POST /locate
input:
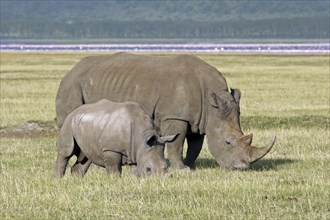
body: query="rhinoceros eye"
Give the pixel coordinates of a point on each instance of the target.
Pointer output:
(228, 142)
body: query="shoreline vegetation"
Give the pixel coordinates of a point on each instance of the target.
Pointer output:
(165, 19)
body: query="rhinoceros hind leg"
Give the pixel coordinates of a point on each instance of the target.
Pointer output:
(66, 147)
(80, 168)
(113, 163)
(195, 143)
(60, 165)
(175, 148)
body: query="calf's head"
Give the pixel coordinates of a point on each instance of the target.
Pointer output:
(150, 157)
(226, 141)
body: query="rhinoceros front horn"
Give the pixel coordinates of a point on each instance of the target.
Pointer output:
(257, 153)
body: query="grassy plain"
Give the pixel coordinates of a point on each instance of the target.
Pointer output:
(288, 94)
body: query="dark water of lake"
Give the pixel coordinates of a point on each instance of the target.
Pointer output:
(300, 48)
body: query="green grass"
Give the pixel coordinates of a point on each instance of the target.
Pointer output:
(284, 94)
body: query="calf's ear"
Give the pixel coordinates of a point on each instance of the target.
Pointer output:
(151, 141)
(166, 139)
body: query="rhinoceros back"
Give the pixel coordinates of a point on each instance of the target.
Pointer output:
(167, 86)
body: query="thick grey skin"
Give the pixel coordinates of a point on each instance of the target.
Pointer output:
(110, 134)
(183, 94)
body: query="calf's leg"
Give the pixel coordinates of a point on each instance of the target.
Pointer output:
(80, 167)
(60, 165)
(65, 149)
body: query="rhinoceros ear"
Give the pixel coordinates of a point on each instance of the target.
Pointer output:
(236, 94)
(166, 139)
(217, 101)
(213, 99)
(151, 141)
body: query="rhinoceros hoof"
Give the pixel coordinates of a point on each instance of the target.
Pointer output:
(192, 166)
(76, 170)
(181, 169)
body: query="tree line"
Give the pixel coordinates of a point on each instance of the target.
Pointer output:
(311, 27)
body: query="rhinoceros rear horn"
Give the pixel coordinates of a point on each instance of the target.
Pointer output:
(257, 153)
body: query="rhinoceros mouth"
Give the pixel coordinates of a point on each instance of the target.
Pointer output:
(230, 166)
(240, 167)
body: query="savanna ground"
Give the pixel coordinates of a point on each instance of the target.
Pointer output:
(288, 94)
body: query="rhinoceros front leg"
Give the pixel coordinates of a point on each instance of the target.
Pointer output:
(112, 162)
(195, 143)
(175, 148)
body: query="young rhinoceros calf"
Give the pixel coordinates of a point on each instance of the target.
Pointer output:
(109, 135)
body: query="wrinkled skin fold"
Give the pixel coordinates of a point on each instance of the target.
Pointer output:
(183, 94)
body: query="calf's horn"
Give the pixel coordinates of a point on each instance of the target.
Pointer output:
(257, 153)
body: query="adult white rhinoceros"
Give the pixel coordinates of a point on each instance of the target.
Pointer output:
(183, 94)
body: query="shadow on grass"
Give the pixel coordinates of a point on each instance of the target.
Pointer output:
(261, 165)
(204, 163)
(270, 164)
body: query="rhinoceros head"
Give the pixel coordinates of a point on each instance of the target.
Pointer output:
(226, 141)
(150, 157)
